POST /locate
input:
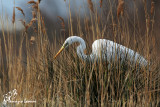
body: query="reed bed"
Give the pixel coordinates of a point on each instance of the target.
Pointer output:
(27, 63)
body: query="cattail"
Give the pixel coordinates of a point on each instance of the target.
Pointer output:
(152, 7)
(120, 7)
(20, 10)
(62, 22)
(100, 3)
(13, 17)
(90, 5)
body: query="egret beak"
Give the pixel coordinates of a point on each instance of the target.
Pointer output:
(59, 52)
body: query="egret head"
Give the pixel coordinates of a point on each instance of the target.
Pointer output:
(67, 42)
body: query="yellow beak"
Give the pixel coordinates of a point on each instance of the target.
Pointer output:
(59, 52)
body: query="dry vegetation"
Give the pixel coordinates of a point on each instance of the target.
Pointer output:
(28, 66)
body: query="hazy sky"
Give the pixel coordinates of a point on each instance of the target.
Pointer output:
(52, 8)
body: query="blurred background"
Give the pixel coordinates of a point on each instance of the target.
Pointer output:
(50, 10)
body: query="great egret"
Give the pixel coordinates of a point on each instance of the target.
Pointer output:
(106, 50)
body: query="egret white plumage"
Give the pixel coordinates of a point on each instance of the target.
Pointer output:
(106, 50)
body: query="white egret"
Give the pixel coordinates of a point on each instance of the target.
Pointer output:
(105, 49)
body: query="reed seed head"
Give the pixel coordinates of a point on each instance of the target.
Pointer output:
(13, 17)
(90, 5)
(18, 8)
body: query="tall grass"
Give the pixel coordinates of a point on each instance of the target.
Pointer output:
(27, 63)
